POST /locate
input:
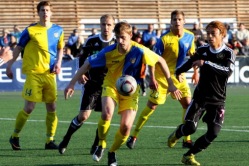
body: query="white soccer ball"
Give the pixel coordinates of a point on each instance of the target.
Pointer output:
(126, 85)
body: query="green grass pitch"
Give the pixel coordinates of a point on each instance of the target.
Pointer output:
(229, 149)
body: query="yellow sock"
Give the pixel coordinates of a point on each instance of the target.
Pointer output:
(103, 128)
(185, 138)
(21, 119)
(143, 117)
(51, 123)
(118, 141)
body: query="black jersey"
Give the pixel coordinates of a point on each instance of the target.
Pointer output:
(214, 74)
(93, 45)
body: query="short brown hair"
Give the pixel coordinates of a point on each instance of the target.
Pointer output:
(122, 26)
(219, 25)
(43, 3)
(176, 12)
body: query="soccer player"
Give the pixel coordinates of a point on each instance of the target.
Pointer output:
(43, 42)
(216, 62)
(5, 55)
(123, 58)
(91, 90)
(173, 46)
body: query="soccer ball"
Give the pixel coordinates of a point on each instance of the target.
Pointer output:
(126, 85)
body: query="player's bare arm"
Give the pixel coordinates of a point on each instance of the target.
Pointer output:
(57, 67)
(69, 90)
(153, 83)
(16, 53)
(195, 76)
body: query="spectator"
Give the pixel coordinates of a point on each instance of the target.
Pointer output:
(152, 42)
(73, 38)
(16, 32)
(94, 32)
(240, 37)
(5, 38)
(245, 48)
(67, 55)
(158, 33)
(229, 37)
(148, 34)
(137, 38)
(76, 47)
(241, 34)
(199, 36)
(135, 33)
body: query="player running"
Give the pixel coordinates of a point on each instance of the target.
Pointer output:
(124, 58)
(93, 80)
(216, 62)
(173, 46)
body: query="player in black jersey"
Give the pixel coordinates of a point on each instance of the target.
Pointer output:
(92, 81)
(216, 63)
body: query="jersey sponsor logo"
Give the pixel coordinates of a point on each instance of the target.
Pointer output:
(56, 35)
(38, 34)
(133, 60)
(117, 61)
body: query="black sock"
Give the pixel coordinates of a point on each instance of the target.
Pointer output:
(74, 126)
(96, 140)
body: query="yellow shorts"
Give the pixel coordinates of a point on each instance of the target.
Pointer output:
(123, 102)
(159, 96)
(40, 88)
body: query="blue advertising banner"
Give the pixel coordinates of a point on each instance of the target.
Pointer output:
(240, 75)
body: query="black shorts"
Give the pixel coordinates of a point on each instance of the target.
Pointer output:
(213, 113)
(91, 97)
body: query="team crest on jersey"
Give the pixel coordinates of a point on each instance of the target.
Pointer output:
(204, 54)
(94, 56)
(186, 45)
(220, 56)
(133, 60)
(56, 35)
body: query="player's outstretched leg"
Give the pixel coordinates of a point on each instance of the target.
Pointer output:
(189, 160)
(172, 140)
(98, 154)
(14, 142)
(131, 142)
(112, 160)
(95, 143)
(73, 127)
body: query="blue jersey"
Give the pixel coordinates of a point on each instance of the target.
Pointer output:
(123, 64)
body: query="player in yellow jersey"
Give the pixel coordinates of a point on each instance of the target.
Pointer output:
(123, 58)
(173, 46)
(43, 43)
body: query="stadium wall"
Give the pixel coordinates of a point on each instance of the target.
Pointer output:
(71, 14)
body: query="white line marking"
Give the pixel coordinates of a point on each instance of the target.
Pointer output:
(239, 128)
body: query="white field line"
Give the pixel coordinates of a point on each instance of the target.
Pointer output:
(244, 129)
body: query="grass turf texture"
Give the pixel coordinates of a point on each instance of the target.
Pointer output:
(230, 148)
